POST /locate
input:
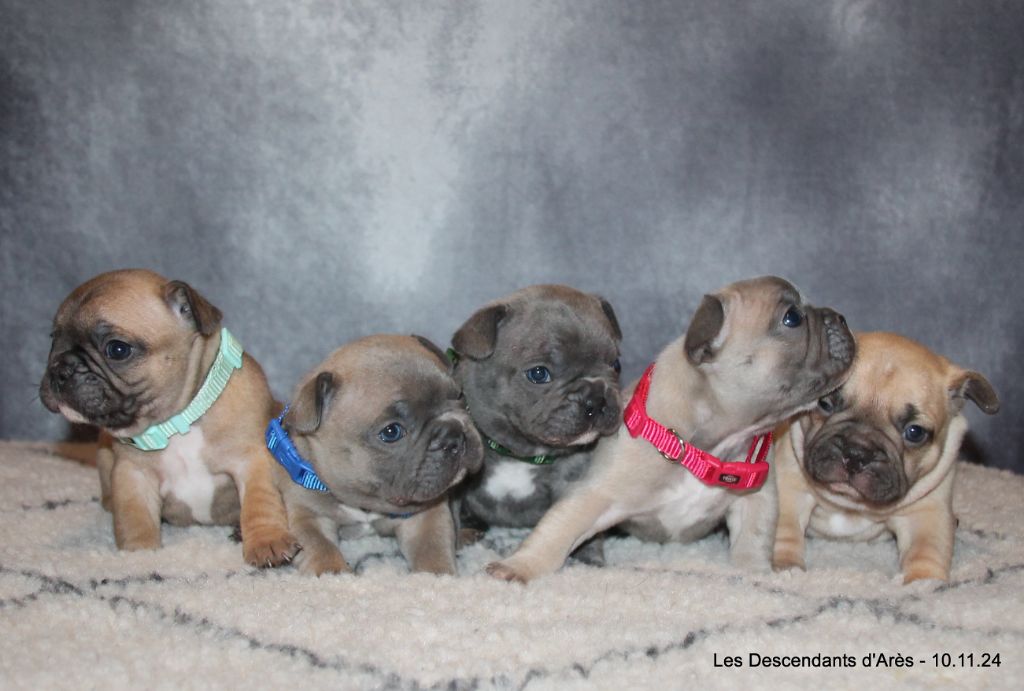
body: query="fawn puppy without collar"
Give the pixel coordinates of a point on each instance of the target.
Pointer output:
(374, 438)
(753, 355)
(146, 360)
(878, 456)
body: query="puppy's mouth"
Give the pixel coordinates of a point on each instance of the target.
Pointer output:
(856, 473)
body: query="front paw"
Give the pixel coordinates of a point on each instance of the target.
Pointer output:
(317, 563)
(787, 561)
(924, 571)
(510, 570)
(269, 547)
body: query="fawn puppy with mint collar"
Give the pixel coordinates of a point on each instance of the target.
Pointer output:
(540, 372)
(146, 360)
(753, 355)
(879, 455)
(375, 437)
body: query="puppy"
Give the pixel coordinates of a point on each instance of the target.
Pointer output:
(754, 354)
(146, 360)
(375, 436)
(540, 372)
(878, 456)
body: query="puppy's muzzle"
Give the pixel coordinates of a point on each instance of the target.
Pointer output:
(599, 406)
(872, 471)
(841, 346)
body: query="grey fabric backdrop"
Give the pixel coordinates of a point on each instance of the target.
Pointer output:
(323, 170)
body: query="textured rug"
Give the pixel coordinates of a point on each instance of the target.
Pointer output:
(74, 613)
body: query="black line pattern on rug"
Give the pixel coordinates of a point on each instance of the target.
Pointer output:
(880, 608)
(54, 504)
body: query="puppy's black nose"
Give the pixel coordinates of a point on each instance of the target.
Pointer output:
(597, 405)
(857, 457)
(63, 369)
(831, 318)
(449, 439)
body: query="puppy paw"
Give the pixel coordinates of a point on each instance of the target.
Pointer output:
(269, 548)
(319, 563)
(504, 571)
(788, 562)
(924, 572)
(469, 536)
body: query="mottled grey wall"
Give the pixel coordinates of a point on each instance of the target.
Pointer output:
(322, 170)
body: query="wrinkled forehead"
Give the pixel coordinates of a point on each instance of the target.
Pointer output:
(898, 384)
(115, 304)
(376, 379)
(557, 326)
(768, 291)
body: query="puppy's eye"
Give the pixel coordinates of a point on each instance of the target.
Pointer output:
(539, 374)
(792, 318)
(617, 366)
(391, 433)
(826, 405)
(117, 350)
(915, 434)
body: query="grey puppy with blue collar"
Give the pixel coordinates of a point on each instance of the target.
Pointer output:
(540, 372)
(375, 436)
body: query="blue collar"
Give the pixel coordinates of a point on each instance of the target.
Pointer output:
(301, 472)
(282, 448)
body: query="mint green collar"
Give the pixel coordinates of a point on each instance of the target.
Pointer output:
(229, 358)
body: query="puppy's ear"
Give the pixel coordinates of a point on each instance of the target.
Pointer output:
(307, 410)
(476, 338)
(704, 329)
(974, 387)
(606, 307)
(192, 307)
(429, 345)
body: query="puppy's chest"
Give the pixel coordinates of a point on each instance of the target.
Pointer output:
(184, 475)
(684, 509)
(843, 525)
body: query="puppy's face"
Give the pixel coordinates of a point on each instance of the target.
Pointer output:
(540, 368)
(891, 424)
(765, 353)
(121, 344)
(385, 424)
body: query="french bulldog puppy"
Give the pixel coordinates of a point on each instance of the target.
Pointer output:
(378, 433)
(753, 355)
(540, 372)
(878, 456)
(146, 360)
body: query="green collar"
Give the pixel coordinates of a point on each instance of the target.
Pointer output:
(543, 459)
(535, 460)
(229, 358)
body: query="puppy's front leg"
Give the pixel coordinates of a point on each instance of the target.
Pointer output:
(925, 541)
(320, 553)
(427, 539)
(266, 540)
(135, 503)
(566, 525)
(751, 521)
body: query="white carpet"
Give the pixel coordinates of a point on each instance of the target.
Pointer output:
(74, 613)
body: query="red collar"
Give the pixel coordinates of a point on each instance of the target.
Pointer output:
(749, 474)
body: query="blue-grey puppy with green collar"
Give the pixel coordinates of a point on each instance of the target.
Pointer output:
(539, 369)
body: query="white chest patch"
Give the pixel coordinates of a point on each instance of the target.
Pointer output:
(687, 504)
(184, 474)
(513, 480)
(846, 525)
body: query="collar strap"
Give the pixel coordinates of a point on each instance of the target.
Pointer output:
(282, 448)
(505, 451)
(749, 474)
(453, 357)
(229, 358)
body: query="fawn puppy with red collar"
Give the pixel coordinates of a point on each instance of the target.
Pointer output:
(146, 360)
(753, 355)
(878, 456)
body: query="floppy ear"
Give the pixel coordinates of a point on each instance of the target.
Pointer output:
(307, 410)
(973, 386)
(610, 313)
(434, 350)
(189, 305)
(704, 328)
(476, 338)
